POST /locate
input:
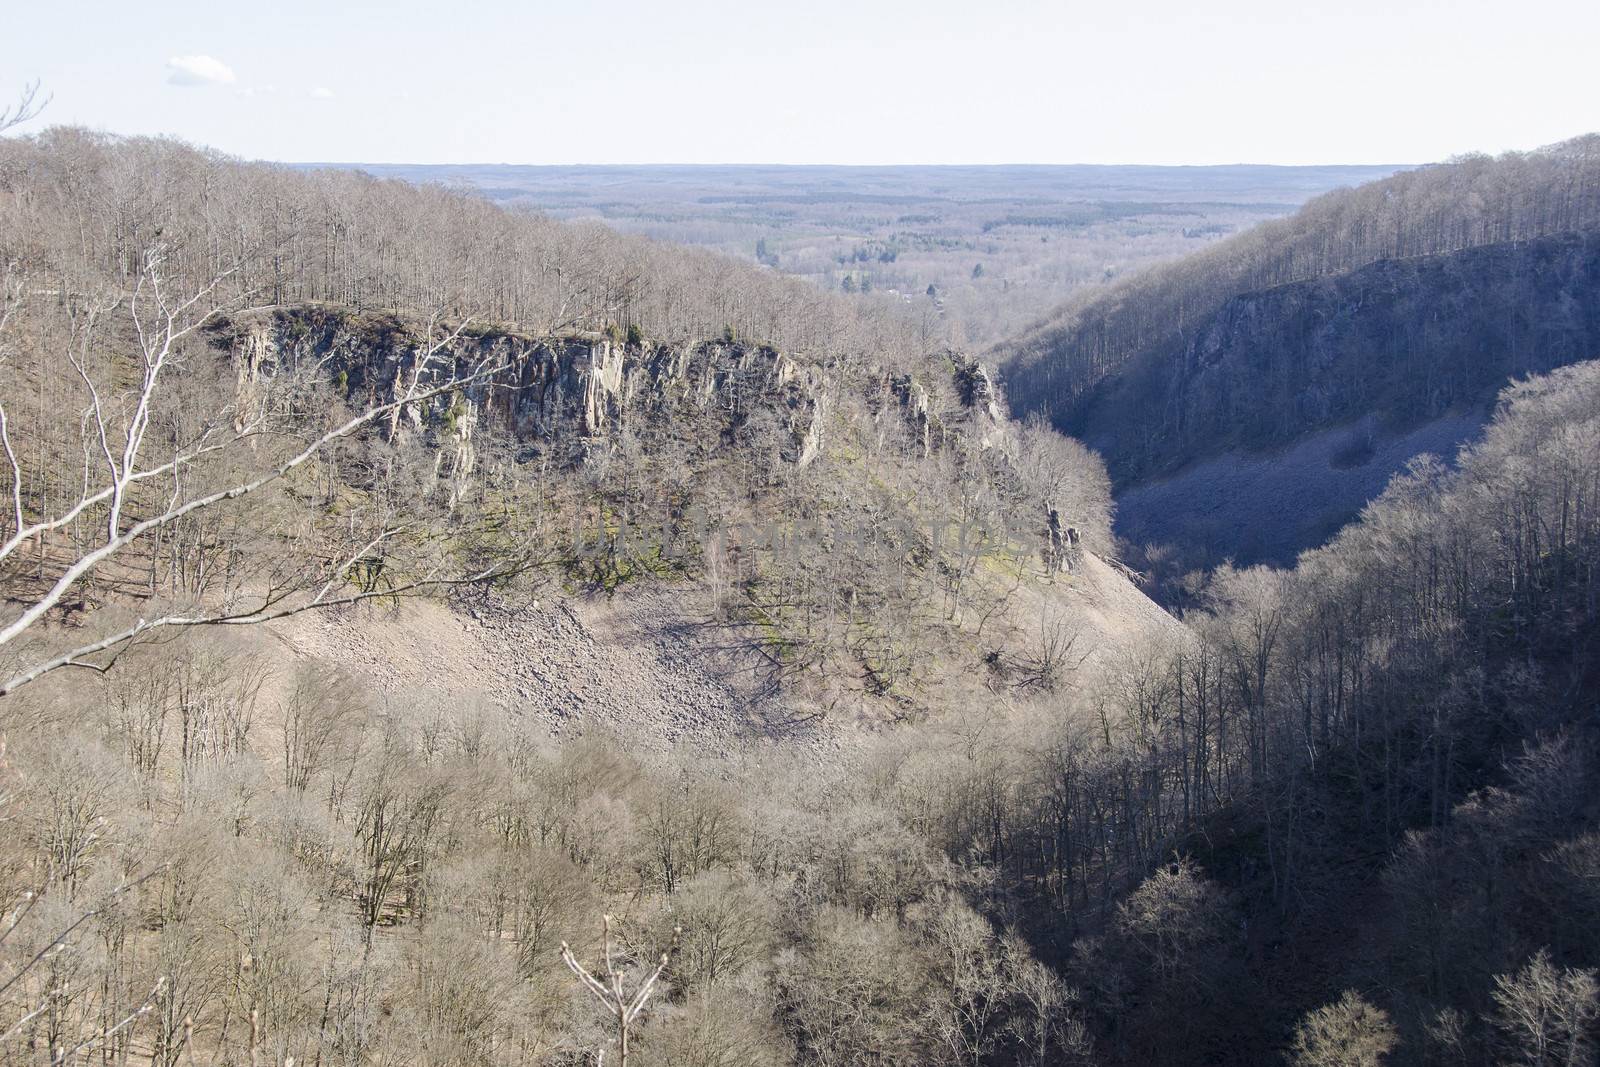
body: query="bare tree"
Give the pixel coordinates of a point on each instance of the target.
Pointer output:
(1546, 1014)
(1052, 657)
(622, 1006)
(1347, 1033)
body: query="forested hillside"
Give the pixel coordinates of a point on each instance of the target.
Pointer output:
(1143, 327)
(1403, 340)
(1252, 397)
(1340, 814)
(92, 207)
(556, 400)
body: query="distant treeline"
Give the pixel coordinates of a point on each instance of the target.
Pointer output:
(1090, 213)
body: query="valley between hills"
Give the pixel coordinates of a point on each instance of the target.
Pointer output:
(417, 604)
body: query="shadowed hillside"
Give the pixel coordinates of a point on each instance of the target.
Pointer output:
(1400, 302)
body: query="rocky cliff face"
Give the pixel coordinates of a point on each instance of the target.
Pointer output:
(569, 392)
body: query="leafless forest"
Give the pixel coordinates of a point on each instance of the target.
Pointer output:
(1342, 813)
(1119, 345)
(1374, 316)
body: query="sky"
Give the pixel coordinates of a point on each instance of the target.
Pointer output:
(817, 81)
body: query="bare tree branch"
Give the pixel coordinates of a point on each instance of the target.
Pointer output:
(28, 106)
(121, 454)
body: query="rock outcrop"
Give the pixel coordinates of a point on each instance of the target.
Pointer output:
(788, 491)
(577, 390)
(549, 391)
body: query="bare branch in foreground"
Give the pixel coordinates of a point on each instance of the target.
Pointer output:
(119, 448)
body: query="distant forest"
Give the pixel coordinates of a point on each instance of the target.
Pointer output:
(918, 236)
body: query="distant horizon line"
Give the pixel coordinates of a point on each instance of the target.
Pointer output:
(864, 166)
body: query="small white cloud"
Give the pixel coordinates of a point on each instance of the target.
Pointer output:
(198, 70)
(322, 92)
(256, 90)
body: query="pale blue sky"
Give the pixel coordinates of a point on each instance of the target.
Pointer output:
(819, 81)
